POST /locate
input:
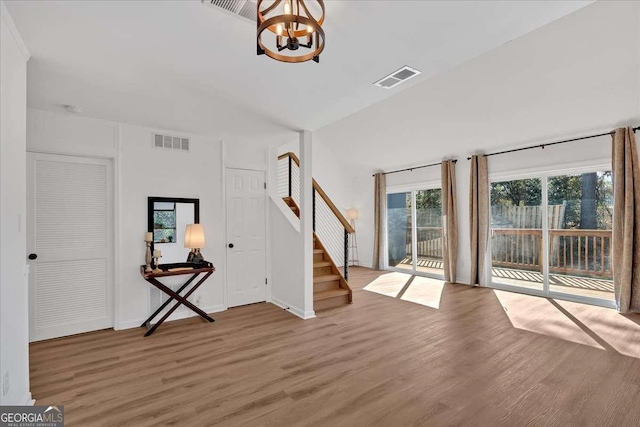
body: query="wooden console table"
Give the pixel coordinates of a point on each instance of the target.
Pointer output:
(195, 271)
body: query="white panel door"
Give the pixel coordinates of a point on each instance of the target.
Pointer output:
(246, 229)
(70, 229)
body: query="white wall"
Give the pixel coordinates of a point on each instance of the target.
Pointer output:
(577, 76)
(291, 287)
(143, 171)
(287, 268)
(14, 319)
(329, 170)
(243, 154)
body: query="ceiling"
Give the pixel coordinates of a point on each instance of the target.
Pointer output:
(186, 66)
(573, 77)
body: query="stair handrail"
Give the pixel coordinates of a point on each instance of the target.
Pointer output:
(345, 223)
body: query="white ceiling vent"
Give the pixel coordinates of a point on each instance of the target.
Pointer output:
(171, 142)
(246, 9)
(399, 76)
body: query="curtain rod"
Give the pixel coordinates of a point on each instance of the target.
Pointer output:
(552, 143)
(415, 167)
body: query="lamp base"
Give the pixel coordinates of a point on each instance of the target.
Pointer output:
(195, 257)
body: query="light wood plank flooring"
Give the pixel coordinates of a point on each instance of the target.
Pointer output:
(482, 358)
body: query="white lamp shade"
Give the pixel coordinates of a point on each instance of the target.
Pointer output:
(353, 214)
(194, 236)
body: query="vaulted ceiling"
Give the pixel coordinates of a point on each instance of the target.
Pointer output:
(576, 76)
(184, 65)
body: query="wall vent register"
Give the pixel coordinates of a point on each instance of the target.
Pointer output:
(399, 76)
(246, 9)
(171, 142)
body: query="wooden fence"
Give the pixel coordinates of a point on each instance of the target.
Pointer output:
(527, 216)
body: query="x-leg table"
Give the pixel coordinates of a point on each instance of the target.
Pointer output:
(175, 295)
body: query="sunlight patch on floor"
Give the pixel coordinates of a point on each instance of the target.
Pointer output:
(389, 284)
(573, 322)
(538, 315)
(416, 289)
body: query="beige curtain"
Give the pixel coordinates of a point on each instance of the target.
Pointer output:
(380, 206)
(626, 220)
(479, 218)
(449, 220)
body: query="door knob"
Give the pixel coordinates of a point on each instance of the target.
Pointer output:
(231, 245)
(33, 256)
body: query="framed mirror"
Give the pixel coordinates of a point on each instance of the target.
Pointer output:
(167, 219)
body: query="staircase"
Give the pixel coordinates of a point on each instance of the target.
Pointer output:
(330, 288)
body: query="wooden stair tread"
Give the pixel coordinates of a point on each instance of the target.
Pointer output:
(330, 294)
(321, 264)
(318, 251)
(326, 278)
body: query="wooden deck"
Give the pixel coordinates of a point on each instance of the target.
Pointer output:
(574, 285)
(481, 358)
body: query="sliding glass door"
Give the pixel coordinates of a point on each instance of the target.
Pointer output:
(580, 234)
(551, 235)
(429, 231)
(414, 231)
(516, 233)
(399, 235)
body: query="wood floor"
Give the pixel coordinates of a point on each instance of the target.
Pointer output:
(482, 358)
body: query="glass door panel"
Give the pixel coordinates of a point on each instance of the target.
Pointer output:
(399, 234)
(429, 231)
(516, 233)
(580, 223)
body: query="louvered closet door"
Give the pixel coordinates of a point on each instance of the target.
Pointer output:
(70, 229)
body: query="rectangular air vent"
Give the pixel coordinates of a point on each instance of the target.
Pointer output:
(399, 76)
(246, 9)
(171, 142)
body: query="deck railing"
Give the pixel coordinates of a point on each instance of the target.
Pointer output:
(429, 242)
(516, 248)
(572, 251)
(584, 252)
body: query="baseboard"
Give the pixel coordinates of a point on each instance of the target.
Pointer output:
(293, 310)
(310, 314)
(279, 303)
(28, 400)
(130, 324)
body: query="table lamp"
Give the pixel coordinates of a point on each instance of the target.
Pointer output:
(194, 240)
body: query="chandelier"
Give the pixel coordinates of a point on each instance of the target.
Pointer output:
(288, 30)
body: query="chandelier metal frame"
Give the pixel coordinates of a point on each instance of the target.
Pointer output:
(286, 27)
